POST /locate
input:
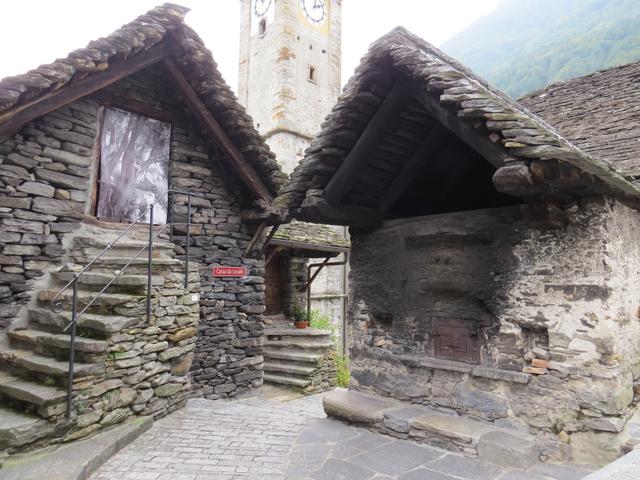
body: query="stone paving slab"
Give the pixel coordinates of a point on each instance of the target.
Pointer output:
(266, 439)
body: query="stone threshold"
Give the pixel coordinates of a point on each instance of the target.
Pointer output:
(75, 460)
(460, 367)
(472, 438)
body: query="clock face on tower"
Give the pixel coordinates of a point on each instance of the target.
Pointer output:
(261, 7)
(314, 11)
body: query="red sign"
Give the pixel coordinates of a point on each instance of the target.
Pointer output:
(229, 271)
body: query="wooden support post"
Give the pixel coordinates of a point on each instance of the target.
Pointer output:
(267, 240)
(254, 239)
(16, 118)
(386, 116)
(412, 167)
(202, 113)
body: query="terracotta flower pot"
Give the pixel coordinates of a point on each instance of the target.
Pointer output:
(301, 324)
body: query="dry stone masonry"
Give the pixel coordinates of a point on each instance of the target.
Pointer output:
(202, 338)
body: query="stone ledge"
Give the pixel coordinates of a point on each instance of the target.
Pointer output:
(75, 460)
(296, 332)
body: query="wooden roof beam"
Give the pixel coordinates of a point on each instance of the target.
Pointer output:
(202, 113)
(480, 142)
(316, 209)
(13, 120)
(412, 167)
(387, 115)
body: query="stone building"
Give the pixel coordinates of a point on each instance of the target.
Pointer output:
(141, 117)
(289, 78)
(494, 262)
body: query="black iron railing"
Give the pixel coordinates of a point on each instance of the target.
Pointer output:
(57, 305)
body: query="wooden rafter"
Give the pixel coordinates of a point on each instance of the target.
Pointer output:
(386, 116)
(202, 113)
(412, 167)
(13, 120)
(473, 137)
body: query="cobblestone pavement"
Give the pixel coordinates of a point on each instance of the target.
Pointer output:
(267, 439)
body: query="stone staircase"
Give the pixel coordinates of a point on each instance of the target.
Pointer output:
(34, 356)
(300, 359)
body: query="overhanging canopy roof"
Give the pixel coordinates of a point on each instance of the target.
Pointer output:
(409, 107)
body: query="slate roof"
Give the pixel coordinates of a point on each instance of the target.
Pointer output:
(599, 113)
(190, 54)
(515, 132)
(314, 236)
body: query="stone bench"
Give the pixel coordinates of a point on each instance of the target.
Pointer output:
(473, 438)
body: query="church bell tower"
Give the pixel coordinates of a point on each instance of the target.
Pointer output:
(289, 70)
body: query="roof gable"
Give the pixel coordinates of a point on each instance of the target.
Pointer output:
(159, 36)
(377, 138)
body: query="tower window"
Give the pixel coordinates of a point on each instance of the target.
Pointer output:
(312, 74)
(262, 27)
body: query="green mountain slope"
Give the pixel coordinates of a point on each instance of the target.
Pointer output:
(526, 44)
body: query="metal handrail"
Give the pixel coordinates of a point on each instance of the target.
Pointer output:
(57, 305)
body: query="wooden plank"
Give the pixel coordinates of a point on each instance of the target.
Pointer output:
(412, 167)
(494, 154)
(13, 120)
(316, 209)
(386, 116)
(202, 113)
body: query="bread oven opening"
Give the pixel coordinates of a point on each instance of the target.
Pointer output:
(457, 340)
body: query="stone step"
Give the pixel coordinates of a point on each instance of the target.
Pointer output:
(298, 343)
(30, 392)
(466, 435)
(101, 241)
(17, 429)
(104, 325)
(100, 279)
(58, 340)
(106, 300)
(285, 380)
(288, 368)
(292, 355)
(297, 332)
(120, 261)
(47, 366)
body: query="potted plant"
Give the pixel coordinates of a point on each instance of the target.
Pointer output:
(300, 318)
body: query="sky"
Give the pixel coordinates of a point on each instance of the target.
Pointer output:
(39, 31)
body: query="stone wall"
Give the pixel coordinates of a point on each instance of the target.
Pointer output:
(45, 173)
(228, 358)
(46, 178)
(556, 312)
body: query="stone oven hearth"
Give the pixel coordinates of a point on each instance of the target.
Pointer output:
(456, 339)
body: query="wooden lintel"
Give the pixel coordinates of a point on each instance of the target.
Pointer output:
(202, 113)
(316, 209)
(13, 120)
(123, 102)
(386, 116)
(462, 128)
(412, 167)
